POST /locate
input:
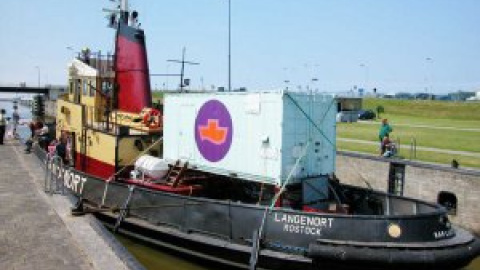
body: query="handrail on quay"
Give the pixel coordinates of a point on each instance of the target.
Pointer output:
(53, 179)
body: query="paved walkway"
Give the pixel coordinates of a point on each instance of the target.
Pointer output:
(424, 126)
(421, 148)
(36, 230)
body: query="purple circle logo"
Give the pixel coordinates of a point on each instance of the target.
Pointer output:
(213, 130)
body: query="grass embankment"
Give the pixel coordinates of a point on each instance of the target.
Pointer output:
(428, 112)
(448, 139)
(444, 125)
(157, 96)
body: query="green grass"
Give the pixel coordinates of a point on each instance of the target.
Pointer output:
(434, 122)
(157, 95)
(427, 156)
(422, 113)
(427, 137)
(427, 109)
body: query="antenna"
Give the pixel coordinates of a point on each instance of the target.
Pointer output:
(182, 72)
(122, 9)
(124, 5)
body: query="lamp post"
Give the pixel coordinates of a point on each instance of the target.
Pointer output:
(229, 45)
(70, 48)
(428, 79)
(314, 78)
(38, 77)
(364, 66)
(287, 76)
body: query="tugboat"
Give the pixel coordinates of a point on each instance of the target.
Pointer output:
(244, 179)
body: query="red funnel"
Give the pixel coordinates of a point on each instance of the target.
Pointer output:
(131, 66)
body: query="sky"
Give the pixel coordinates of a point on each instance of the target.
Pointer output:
(392, 45)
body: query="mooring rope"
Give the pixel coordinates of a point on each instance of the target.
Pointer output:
(289, 177)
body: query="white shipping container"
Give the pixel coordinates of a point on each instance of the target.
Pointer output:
(256, 136)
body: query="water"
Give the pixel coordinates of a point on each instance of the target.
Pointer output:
(475, 265)
(25, 116)
(152, 258)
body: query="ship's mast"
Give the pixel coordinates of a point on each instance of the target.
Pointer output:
(120, 14)
(124, 5)
(124, 10)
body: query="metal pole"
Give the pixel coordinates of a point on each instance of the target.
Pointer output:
(183, 70)
(428, 76)
(230, 45)
(167, 86)
(365, 87)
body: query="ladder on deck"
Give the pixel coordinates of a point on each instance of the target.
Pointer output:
(176, 173)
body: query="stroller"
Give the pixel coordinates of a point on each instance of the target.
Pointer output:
(390, 149)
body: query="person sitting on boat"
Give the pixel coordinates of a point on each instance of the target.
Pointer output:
(51, 148)
(35, 127)
(43, 137)
(61, 149)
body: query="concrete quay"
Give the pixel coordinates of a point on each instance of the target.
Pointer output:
(37, 230)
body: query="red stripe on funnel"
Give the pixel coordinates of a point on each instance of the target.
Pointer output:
(132, 76)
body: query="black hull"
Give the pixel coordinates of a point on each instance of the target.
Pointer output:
(453, 253)
(324, 257)
(203, 247)
(222, 231)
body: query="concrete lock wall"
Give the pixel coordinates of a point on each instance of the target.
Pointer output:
(422, 181)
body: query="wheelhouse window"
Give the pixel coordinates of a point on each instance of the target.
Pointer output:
(85, 89)
(92, 89)
(106, 87)
(71, 87)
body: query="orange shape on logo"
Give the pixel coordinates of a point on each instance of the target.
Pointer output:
(213, 133)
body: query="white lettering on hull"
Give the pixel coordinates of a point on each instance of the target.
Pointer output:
(442, 234)
(301, 224)
(71, 180)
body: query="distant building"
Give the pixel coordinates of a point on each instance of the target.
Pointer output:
(474, 98)
(423, 96)
(348, 108)
(54, 91)
(402, 95)
(443, 97)
(461, 95)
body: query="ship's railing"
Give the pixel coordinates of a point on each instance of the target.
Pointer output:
(98, 118)
(102, 119)
(103, 63)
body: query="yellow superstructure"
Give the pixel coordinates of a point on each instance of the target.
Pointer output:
(103, 139)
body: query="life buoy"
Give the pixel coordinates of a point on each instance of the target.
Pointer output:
(155, 122)
(152, 118)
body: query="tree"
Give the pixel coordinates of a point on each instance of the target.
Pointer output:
(380, 109)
